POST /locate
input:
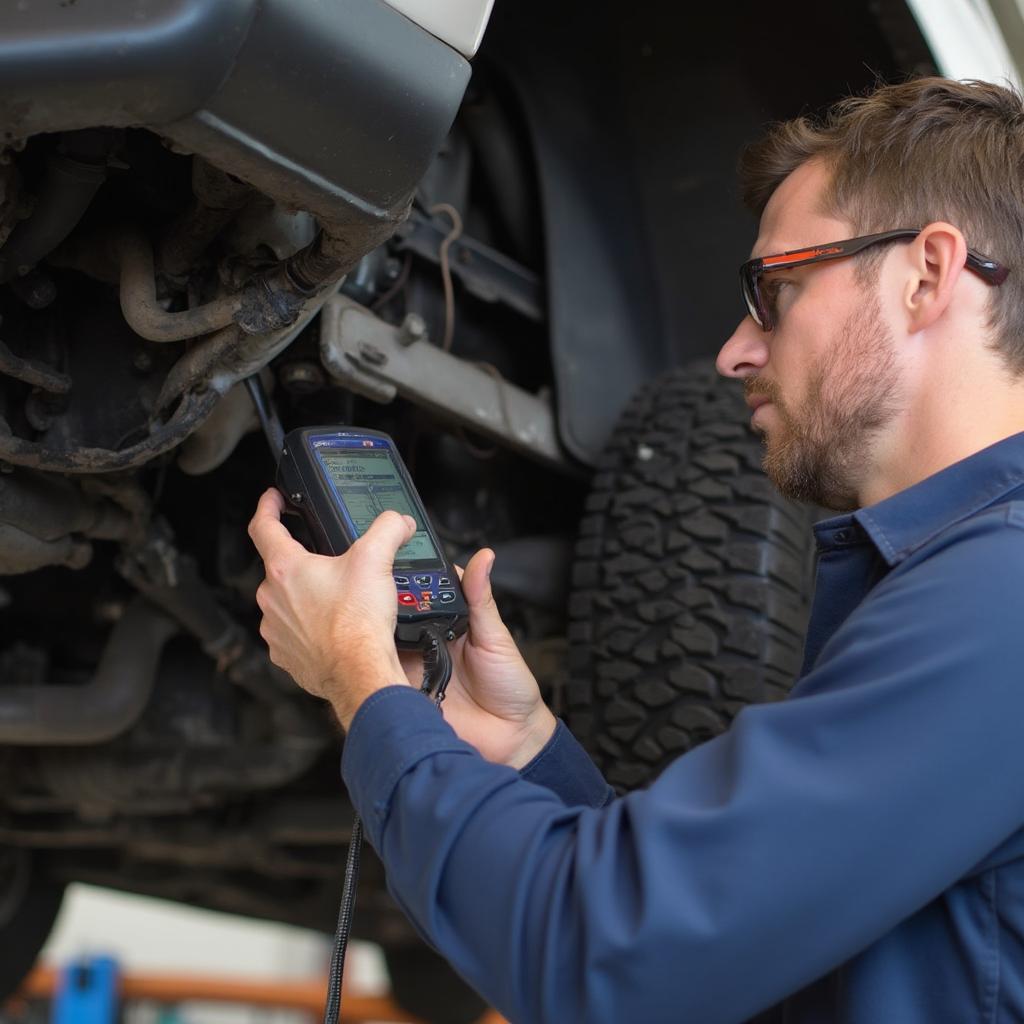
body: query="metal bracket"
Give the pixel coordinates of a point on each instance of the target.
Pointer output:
(380, 361)
(483, 271)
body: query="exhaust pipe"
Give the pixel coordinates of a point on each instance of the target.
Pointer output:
(102, 709)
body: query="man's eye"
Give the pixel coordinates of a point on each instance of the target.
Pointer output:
(771, 292)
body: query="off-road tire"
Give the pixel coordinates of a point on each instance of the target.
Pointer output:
(691, 583)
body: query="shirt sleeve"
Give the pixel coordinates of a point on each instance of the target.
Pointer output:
(564, 767)
(753, 864)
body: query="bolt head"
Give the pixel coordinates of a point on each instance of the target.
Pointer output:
(413, 329)
(302, 377)
(371, 354)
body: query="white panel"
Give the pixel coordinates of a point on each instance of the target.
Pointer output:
(460, 23)
(154, 936)
(146, 934)
(965, 40)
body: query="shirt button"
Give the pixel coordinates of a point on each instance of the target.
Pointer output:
(841, 536)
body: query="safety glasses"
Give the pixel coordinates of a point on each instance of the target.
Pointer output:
(759, 300)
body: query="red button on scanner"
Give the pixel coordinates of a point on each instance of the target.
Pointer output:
(408, 599)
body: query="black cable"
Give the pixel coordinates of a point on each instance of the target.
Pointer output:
(437, 672)
(268, 416)
(348, 898)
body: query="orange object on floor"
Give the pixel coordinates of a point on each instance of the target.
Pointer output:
(308, 996)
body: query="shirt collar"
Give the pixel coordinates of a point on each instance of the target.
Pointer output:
(901, 524)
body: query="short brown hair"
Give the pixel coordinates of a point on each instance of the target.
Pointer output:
(912, 153)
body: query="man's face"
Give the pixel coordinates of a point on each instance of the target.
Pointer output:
(824, 383)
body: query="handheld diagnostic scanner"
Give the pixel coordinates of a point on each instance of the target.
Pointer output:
(339, 480)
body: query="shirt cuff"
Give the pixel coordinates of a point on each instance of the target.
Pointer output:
(393, 730)
(564, 767)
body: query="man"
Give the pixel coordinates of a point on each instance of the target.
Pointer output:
(855, 853)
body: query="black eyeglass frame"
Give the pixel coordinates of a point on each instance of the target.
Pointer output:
(751, 271)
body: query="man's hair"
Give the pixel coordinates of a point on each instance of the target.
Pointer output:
(909, 154)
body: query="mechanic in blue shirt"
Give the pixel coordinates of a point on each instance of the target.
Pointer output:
(855, 853)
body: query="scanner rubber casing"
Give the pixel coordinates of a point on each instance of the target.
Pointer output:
(309, 493)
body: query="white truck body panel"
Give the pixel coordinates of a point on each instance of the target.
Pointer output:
(459, 23)
(966, 40)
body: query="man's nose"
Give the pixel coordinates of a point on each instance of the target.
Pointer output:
(745, 352)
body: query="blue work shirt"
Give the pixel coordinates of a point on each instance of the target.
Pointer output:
(853, 854)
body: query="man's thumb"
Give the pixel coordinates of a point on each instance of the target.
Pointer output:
(484, 619)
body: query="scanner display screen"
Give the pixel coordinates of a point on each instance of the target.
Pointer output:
(369, 483)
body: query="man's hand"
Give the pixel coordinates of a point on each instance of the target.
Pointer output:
(330, 621)
(493, 701)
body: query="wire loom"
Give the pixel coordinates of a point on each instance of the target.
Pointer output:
(437, 671)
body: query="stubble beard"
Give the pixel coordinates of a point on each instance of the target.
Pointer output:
(822, 453)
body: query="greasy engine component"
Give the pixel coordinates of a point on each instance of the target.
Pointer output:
(226, 80)
(154, 770)
(191, 391)
(237, 335)
(59, 714)
(218, 437)
(72, 177)
(276, 735)
(144, 314)
(192, 745)
(171, 580)
(31, 371)
(217, 198)
(267, 302)
(208, 77)
(45, 521)
(190, 412)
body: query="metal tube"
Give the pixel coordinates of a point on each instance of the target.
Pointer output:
(144, 314)
(32, 372)
(102, 709)
(230, 355)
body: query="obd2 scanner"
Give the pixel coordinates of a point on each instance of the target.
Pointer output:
(338, 480)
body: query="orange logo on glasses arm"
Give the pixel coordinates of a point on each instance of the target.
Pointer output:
(802, 254)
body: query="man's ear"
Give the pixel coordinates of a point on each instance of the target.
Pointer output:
(935, 260)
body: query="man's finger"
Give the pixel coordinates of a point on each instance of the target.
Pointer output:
(267, 531)
(387, 533)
